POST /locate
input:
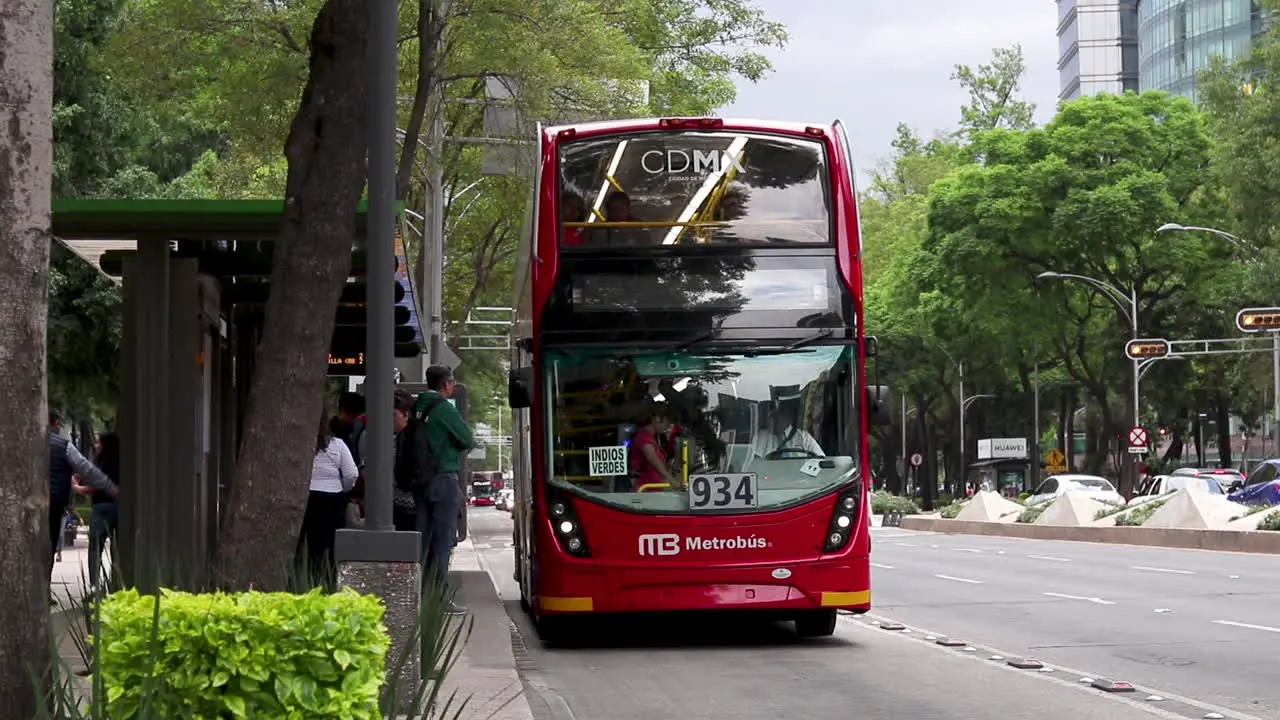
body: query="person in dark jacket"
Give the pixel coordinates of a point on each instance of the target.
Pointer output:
(104, 521)
(410, 461)
(65, 461)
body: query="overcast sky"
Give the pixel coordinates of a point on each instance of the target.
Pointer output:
(874, 64)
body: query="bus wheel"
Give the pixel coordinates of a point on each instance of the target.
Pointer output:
(555, 630)
(816, 623)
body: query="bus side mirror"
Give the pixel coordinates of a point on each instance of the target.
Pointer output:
(879, 408)
(872, 345)
(519, 388)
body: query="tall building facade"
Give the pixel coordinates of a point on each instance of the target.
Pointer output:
(1097, 47)
(1178, 38)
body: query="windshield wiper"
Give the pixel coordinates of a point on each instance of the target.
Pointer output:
(809, 340)
(699, 339)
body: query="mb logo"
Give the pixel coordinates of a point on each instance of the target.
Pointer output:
(699, 162)
(666, 544)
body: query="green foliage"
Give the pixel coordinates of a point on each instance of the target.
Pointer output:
(993, 93)
(1253, 510)
(950, 511)
(1141, 514)
(1270, 522)
(1033, 512)
(264, 655)
(883, 501)
(1110, 509)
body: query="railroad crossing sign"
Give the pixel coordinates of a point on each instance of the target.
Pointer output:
(1055, 461)
(1138, 441)
(916, 459)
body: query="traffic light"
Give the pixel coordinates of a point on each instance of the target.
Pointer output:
(1258, 319)
(1146, 349)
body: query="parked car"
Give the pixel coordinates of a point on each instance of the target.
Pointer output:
(1160, 484)
(506, 499)
(1262, 487)
(1226, 477)
(1093, 486)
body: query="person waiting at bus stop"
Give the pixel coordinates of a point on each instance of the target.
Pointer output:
(649, 462)
(440, 501)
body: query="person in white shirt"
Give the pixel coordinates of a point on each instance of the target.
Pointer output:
(333, 474)
(782, 434)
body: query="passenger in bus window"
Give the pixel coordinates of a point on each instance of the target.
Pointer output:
(572, 210)
(649, 461)
(783, 440)
(617, 209)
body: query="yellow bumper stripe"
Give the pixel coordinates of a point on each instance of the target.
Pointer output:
(842, 599)
(566, 604)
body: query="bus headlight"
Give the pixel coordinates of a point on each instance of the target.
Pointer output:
(568, 529)
(843, 518)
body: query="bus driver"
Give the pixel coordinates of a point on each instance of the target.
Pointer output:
(782, 439)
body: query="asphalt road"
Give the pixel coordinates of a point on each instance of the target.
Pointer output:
(1205, 625)
(704, 668)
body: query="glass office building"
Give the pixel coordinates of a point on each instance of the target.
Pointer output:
(1178, 38)
(1097, 47)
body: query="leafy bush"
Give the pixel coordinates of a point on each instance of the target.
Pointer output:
(1270, 522)
(264, 655)
(1111, 509)
(882, 501)
(1022, 497)
(1140, 514)
(950, 511)
(1032, 513)
(945, 499)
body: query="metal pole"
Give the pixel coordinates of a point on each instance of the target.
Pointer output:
(1275, 409)
(1035, 425)
(1137, 417)
(434, 224)
(903, 418)
(380, 239)
(964, 476)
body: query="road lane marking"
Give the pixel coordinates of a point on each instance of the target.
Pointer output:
(958, 579)
(969, 550)
(882, 566)
(904, 544)
(1171, 571)
(1094, 600)
(1049, 558)
(1247, 626)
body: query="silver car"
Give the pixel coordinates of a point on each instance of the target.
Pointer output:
(1093, 486)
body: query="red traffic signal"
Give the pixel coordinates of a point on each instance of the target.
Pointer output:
(1258, 319)
(1146, 349)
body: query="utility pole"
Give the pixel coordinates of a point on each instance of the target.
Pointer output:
(433, 227)
(1035, 425)
(958, 488)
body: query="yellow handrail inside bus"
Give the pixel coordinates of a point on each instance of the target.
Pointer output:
(653, 486)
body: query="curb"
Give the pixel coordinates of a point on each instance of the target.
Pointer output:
(1241, 541)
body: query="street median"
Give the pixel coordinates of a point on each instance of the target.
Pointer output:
(1247, 541)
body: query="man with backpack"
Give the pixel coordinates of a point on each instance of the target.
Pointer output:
(438, 495)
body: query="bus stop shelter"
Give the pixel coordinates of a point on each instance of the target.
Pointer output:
(194, 276)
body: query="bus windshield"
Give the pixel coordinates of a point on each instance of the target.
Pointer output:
(727, 429)
(680, 188)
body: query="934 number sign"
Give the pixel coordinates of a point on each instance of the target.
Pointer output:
(723, 491)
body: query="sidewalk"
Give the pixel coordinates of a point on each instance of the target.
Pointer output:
(486, 671)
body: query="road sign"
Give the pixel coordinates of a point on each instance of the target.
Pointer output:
(1138, 440)
(1055, 461)
(916, 459)
(1258, 319)
(1146, 349)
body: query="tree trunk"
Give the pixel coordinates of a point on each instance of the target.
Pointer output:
(326, 150)
(1222, 405)
(26, 176)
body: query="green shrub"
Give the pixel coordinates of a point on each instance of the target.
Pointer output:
(1032, 513)
(1270, 522)
(950, 511)
(1140, 514)
(260, 655)
(882, 501)
(1111, 509)
(1022, 497)
(945, 499)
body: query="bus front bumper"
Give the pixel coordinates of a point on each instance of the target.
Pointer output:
(843, 584)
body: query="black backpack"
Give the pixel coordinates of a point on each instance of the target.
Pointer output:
(419, 425)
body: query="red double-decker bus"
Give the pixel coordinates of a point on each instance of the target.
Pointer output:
(689, 374)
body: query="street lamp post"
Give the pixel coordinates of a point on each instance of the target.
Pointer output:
(1275, 336)
(964, 406)
(1129, 308)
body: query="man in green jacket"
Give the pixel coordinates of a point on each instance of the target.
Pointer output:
(439, 503)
